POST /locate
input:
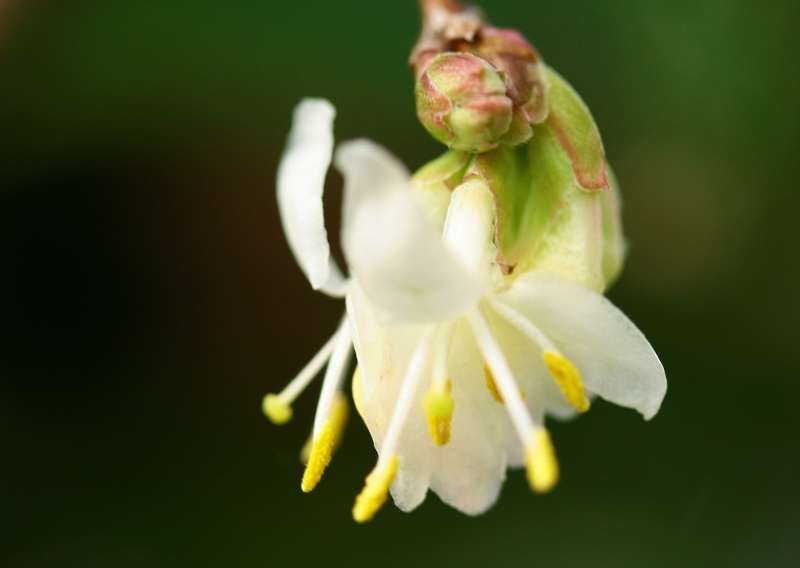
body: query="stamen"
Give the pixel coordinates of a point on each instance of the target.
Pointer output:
(540, 461)
(340, 412)
(376, 489)
(568, 379)
(334, 374)
(320, 457)
(523, 324)
(439, 407)
(506, 385)
(373, 496)
(442, 349)
(492, 386)
(277, 407)
(328, 422)
(407, 392)
(564, 373)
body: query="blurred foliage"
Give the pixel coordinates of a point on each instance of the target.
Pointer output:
(147, 298)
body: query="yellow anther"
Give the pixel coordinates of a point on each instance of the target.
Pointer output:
(568, 379)
(358, 392)
(492, 386)
(340, 412)
(540, 461)
(375, 491)
(338, 416)
(278, 411)
(321, 452)
(305, 451)
(439, 405)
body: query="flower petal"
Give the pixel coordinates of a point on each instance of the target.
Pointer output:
(393, 249)
(435, 181)
(383, 356)
(614, 358)
(301, 181)
(468, 471)
(469, 226)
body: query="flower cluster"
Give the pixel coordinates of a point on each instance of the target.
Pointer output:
(474, 302)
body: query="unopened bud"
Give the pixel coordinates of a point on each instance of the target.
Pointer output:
(462, 102)
(521, 66)
(474, 113)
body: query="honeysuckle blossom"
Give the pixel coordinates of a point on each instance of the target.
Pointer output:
(473, 316)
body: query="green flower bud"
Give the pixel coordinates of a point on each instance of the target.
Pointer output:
(521, 66)
(462, 102)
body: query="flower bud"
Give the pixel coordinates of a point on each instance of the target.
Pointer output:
(462, 102)
(477, 85)
(521, 66)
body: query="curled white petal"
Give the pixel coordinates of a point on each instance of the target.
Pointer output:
(301, 180)
(469, 226)
(392, 248)
(615, 359)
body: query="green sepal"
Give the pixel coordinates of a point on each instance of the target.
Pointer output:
(573, 125)
(545, 220)
(448, 169)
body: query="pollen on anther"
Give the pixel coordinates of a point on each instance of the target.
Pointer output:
(278, 411)
(492, 386)
(540, 461)
(438, 406)
(568, 379)
(320, 457)
(376, 490)
(338, 416)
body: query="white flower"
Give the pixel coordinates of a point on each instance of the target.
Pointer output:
(458, 363)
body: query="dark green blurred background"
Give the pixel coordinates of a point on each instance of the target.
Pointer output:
(148, 299)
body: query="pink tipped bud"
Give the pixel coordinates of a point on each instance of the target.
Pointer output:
(477, 123)
(462, 102)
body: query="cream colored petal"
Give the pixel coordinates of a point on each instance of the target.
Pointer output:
(392, 247)
(469, 227)
(434, 183)
(468, 471)
(301, 180)
(383, 356)
(615, 359)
